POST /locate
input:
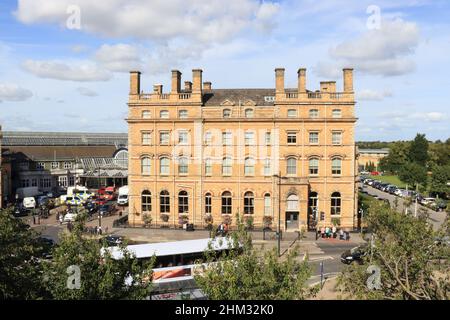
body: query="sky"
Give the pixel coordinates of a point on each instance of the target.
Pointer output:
(64, 63)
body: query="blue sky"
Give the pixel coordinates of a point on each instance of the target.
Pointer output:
(55, 76)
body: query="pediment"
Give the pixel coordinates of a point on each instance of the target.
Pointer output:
(249, 103)
(227, 102)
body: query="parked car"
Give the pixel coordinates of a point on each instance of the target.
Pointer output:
(74, 200)
(441, 205)
(105, 210)
(427, 201)
(91, 207)
(29, 203)
(354, 255)
(113, 240)
(20, 210)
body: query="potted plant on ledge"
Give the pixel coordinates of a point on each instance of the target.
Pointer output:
(164, 218)
(183, 219)
(209, 221)
(248, 220)
(147, 219)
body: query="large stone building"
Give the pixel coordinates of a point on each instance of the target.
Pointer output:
(371, 158)
(285, 154)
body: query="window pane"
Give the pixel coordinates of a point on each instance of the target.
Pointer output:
(164, 114)
(314, 137)
(164, 166)
(183, 114)
(292, 113)
(291, 166)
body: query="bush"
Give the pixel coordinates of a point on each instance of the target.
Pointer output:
(249, 222)
(164, 217)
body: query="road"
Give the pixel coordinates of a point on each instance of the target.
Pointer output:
(435, 218)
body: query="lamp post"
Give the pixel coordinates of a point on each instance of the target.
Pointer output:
(279, 214)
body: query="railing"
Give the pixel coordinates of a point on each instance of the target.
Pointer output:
(291, 95)
(314, 95)
(184, 96)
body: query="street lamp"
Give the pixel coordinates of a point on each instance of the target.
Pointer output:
(279, 213)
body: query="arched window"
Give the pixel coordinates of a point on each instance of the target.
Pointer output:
(164, 166)
(249, 166)
(335, 203)
(208, 203)
(121, 158)
(226, 113)
(248, 113)
(313, 203)
(183, 202)
(146, 166)
(183, 165)
(249, 203)
(146, 201)
(146, 114)
(291, 166)
(292, 203)
(164, 114)
(336, 166)
(267, 204)
(226, 203)
(226, 166)
(313, 166)
(164, 201)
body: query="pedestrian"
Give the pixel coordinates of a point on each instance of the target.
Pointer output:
(34, 219)
(327, 232)
(100, 230)
(322, 232)
(61, 218)
(334, 230)
(95, 230)
(341, 234)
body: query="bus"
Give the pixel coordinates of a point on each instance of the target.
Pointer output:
(176, 260)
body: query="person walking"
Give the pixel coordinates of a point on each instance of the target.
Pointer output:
(334, 230)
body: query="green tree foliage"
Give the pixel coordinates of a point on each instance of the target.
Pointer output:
(101, 276)
(413, 265)
(397, 158)
(413, 174)
(440, 179)
(418, 151)
(20, 253)
(439, 154)
(253, 273)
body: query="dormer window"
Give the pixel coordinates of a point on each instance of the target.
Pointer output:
(249, 113)
(226, 113)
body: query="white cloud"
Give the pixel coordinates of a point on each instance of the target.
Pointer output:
(211, 21)
(79, 71)
(12, 92)
(87, 92)
(120, 57)
(385, 51)
(368, 94)
(429, 116)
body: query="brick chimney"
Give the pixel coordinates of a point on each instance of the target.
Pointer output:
(301, 80)
(135, 82)
(348, 80)
(157, 89)
(176, 81)
(279, 80)
(207, 85)
(197, 80)
(188, 86)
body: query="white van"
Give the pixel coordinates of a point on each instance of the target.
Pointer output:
(29, 203)
(123, 196)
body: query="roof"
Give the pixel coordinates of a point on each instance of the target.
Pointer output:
(48, 153)
(383, 151)
(215, 97)
(22, 138)
(171, 248)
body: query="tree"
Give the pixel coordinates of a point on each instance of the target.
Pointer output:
(412, 265)
(20, 253)
(254, 275)
(413, 174)
(418, 151)
(440, 179)
(397, 158)
(101, 276)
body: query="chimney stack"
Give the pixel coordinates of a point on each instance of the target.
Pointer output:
(197, 80)
(207, 85)
(301, 80)
(348, 80)
(157, 89)
(135, 82)
(176, 81)
(279, 80)
(188, 86)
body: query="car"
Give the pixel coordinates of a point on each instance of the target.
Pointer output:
(91, 207)
(20, 210)
(29, 203)
(441, 205)
(74, 201)
(113, 240)
(42, 200)
(391, 189)
(354, 255)
(70, 217)
(105, 210)
(427, 201)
